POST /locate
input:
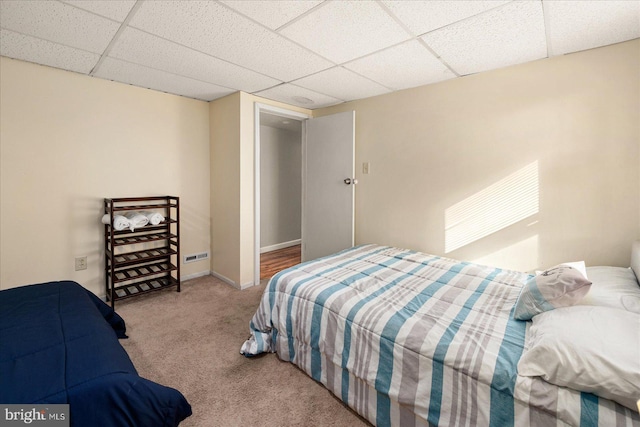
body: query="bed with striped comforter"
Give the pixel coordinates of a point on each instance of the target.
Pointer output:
(409, 339)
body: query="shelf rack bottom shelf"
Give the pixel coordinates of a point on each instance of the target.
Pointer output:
(149, 285)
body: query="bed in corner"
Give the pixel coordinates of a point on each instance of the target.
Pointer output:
(59, 345)
(410, 339)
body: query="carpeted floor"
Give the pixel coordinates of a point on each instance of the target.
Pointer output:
(191, 341)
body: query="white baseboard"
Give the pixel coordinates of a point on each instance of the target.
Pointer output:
(280, 246)
(247, 286)
(231, 282)
(195, 275)
(225, 279)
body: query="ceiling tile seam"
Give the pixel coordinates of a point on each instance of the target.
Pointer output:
(89, 11)
(438, 57)
(258, 93)
(547, 29)
(266, 88)
(414, 37)
(174, 74)
(103, 56)
(233, 63)
(330, 68)
(116, 36)
(282, 35)
(290, 102)
(202, 53)
(396, 19)
(302, 15)
(343, 64)
(375, 52)
(424, 44)
(368, 78)
(320, 93)
(471, 17)
(410, 36)
(48, 41)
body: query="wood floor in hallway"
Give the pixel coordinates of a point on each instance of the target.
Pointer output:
(275, 261)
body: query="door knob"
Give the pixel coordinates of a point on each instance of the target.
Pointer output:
(350, 181)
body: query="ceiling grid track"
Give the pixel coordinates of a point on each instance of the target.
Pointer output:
(116, 36)
(547, 30)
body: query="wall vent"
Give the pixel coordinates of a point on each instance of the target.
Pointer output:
(196, 257)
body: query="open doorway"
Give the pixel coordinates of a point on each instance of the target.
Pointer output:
(278, 174)
(280, 193)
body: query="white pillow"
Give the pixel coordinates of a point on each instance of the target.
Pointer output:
(578, 265)
(613, 287)
(591, 349)
(560, 286)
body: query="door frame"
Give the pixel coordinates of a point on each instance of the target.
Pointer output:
(289, 114)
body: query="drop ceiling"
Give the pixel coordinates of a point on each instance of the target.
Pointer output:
(309, 53)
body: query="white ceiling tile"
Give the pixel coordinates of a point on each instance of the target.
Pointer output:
(112, 9)
(125, 72)
(299, 96)
(59, 23)
(152, 51)
(207, 49)
(421, 16)
(403, 66)
(345, 30)
(341, 83)
(511, 34)
(575, 26)
(272, 14)
(27, 48)
(214, 29)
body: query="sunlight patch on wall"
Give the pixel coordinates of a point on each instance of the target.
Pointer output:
(498, 206)
(519, 256)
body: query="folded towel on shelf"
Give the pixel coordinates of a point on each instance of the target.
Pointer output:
(119, 221)
(154, 218)
(136, 219)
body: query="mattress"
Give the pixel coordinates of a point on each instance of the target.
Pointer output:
(410, 339)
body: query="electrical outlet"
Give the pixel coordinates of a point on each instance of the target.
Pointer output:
(81, 263)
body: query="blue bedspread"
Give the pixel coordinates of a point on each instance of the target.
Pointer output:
(59, 344)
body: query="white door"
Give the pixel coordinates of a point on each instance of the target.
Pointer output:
(329, 187)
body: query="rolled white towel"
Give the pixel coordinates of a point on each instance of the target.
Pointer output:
(137, 220)
(154, 218)
(119, 221)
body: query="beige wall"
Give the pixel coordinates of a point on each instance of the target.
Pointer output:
(433, 146)
(66, 142)
(224, 122)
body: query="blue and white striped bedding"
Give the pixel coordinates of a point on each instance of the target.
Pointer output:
(409, 339)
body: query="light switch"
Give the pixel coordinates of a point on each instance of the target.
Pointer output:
(365, 168)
